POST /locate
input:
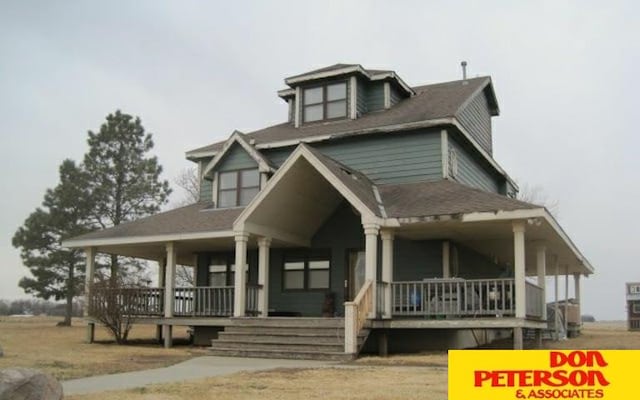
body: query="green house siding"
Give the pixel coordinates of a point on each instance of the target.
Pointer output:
(394, 94)
(397, 158)
(471, 172)
(236, 158)
(361, 103)
(375, 96)
(476, 119)
(415, 260)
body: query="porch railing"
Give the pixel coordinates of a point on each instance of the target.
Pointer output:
(127, 301)
(253, 296)
(356, 314)
(453, 297)
(382, 298)
(534, 300)
(203, 301)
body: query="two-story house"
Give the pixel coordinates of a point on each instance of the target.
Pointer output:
(376, 214)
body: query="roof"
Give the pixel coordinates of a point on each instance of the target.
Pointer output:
(444, 197)
(338, 67)
(195, 218)
(431, 103)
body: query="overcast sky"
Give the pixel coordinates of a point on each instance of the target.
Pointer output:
(565, 73)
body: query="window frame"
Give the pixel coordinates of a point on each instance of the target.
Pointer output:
(229, 272)
(325, 102)
(635, 307)
(306, 258)
(238, 188)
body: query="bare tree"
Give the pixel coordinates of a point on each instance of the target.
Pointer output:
(188, 181)
(535, 194)
(185, 276)
(114, 307)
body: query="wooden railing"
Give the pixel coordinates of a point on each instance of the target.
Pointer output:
(253, 299)
(147, 302)
(633, 324)
(356, 314)
(535, 301)
(453, 297)
(203, 301)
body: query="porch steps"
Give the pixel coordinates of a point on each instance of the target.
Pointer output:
(295, 338)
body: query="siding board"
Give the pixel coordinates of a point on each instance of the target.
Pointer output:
(236, 158)
(471, 172)
(476, 119)
(375, 96)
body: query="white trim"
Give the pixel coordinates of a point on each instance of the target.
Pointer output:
(237, 137)
(296, 115)
(394, 76)
(325, 74)
(214, 188)
(303, 152)
(286, 92)
(444, 152)
(268, 231)
(353, 98)
(146, 239)
(387, 95)
(193, 155)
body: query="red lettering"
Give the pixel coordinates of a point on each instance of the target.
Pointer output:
(481, 376)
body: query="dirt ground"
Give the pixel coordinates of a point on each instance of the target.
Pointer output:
(37, 342)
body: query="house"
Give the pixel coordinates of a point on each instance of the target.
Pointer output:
(633, 305)
(375, 216)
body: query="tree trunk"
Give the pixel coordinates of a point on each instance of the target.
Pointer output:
(113, 279)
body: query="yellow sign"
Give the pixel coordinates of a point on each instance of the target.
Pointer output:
(543, 374)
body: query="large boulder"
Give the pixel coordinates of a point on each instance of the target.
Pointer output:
(28, 384)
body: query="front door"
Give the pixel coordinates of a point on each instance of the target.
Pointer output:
(354, 274)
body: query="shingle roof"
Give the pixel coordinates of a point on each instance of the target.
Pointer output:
(195, 218)
(431, 102)
(339, 66)
(444, 197)
(354, 180)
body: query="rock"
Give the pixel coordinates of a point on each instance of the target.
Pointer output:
(28, 384)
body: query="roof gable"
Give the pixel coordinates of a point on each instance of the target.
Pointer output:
(238, 138)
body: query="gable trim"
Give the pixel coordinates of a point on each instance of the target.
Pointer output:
(302, 151)
(238, 137)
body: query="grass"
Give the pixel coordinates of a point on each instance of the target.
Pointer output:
(366, 382)
(37, 342)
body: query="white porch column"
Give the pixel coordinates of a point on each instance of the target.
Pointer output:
(387, 268)
(371, 262)
(169, 295)
(541, 264)
(90, 254)
(566, 299)
(240, 284)
(264, 245)
(556, 307)
(576, 291)
(519, 274)
(162, 265)
(446, 262)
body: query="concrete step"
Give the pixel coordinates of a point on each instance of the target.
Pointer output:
(286, 331)
(283, 347)
(279, 339)
(289, 322)
(303, 355)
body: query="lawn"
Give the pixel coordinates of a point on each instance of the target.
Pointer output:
(37, 342)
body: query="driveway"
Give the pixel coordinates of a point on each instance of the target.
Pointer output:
(200, 367)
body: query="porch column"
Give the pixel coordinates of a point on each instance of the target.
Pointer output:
(566, 299)
(576, 291)
(541, 263)
(556, 307)
(90, 254)
(169, 295)
(240, 284)
(446, 262)
(387, 268)
(371, 262)
(264, 245)
(520, 286)
(162, 267)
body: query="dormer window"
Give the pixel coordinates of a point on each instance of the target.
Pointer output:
(325, 102)
(238, 188)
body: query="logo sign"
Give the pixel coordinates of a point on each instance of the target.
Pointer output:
(543, 374)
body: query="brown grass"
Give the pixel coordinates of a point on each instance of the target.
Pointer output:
(36, 342)
(308, 384)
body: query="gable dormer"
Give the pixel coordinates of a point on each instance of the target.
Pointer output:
(341, 91)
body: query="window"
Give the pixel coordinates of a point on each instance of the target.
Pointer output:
(222, 273)
(636, 308)
(237, 188)
(633, 289)
(306, 273)
(325, 102)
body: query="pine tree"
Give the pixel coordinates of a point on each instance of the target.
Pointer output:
(123, 180)
(57, 271)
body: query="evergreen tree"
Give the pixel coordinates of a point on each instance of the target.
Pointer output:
(123, 180)
(57, 271)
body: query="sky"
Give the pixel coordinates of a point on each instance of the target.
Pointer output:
(564, 74)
